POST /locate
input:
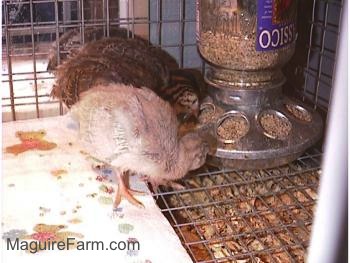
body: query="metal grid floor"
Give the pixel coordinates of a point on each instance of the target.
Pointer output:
(246, 216)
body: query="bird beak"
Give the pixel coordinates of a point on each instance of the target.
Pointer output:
(210, 140)
(195, 112)
(191, 116)
(188, 117)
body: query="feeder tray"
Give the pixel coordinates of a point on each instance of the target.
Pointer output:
(261, 132)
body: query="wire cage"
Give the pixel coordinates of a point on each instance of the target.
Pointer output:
(222, 215)
(31, 27)
(246, 216)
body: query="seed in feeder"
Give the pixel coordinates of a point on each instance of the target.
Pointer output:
(233, 128)
(220, 48)
(299, 112)
(275, 126)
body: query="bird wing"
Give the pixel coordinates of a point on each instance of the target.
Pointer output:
(70, 41)
(103, 129)
(135, 50)
(118, 119)
(80, 73)
(155, 122)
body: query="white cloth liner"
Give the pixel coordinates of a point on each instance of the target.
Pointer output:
(32, 195)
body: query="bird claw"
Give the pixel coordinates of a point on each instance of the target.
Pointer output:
(124, 191)
(155, 184)
(137, 192)
(154, 187)
(144, 178)
(127, 194)
(176, 186)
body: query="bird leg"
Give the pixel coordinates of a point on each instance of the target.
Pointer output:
(175, 186)
(124, 191)
(133, 191)
(156, 183)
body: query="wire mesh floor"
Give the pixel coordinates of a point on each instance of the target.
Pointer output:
(246, 216)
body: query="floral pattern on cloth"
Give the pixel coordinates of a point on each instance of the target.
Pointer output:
(30, 140)
(105, 178)
(45, 234)
(125, 228)
(71, 199)
(14, 234)
(133, 250)
(58, 173)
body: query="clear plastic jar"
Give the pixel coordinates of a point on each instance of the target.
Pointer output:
(246, 42)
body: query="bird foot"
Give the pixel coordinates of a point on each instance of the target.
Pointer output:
(176, 186)
(155, 184)
(137, 192)
(144, 178)
(125, 191)
(128, 195)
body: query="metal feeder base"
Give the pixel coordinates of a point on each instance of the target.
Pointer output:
(261, 146)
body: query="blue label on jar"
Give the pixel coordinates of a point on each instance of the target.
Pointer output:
(276, 24)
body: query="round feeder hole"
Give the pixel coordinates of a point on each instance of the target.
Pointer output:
(232, 126)
(299, 112)
(275, 124)
(206, 112)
